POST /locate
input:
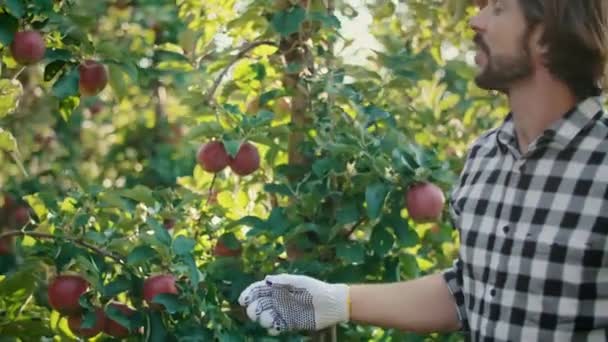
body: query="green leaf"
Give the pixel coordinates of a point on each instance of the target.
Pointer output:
(119, 80)
(250, 221)
(7, 141)
(271, 94)
(160, 232)
(117, 316)
(169, 301)
(328, 20)
(353, 252)
(164, 55)
(288, 21)
(277, 222)
(229, 240)
(374, 197)
(119, 285)
(89, 320)
(183, 245)
(66, 85)
(156, 327)
(141, 194)
(23, 280)
(111, 199)
(141, 254)
(44, 6)
(207, 129)
(16, 7)
(52, 55)
(52, 69)
(281, 189)
(349, 213)
(8, 28)
(263, 117)
(321, 166)
(232, 147)
(27, 329)
(10, 93)
(67, 106)
(381, 240)
(193, 272)
(406, 235)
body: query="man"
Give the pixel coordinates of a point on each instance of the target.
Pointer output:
(531, 205)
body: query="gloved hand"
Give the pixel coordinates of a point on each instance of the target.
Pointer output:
(288, 302)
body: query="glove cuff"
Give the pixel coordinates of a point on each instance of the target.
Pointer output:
(338, 308)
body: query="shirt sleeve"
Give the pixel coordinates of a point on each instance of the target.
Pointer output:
(453, 278)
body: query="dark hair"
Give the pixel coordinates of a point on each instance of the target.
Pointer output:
(576, 35)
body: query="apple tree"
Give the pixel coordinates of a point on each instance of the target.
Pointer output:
(159, 156)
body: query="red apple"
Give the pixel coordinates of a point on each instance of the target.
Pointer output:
(64, 293)
(75, 322)
(213, 157)
(96, 107)
(28, 47)
(168, 223)
(425, 202)
(164, 283)
(112, 327)
(222, 250)
(246, 161)
(21, 216)
(6, 245)
(93, 78)
(294, 252)
(9, 201)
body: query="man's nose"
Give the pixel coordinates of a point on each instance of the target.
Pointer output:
(476, 22)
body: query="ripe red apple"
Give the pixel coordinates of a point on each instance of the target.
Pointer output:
(93, 77)
(21, 216)
(75, 322)
(164, 283)
(425, 202)
(28, 47)
(294, 252)
(96, 107)
(9, 201)
(222, 250)
(168, 223)
(246, 161)
(6, 245)
(64, 293)
(213, 157)
(112, 327)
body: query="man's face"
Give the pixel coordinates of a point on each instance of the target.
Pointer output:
(503, 54)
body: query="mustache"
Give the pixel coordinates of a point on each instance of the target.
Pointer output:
(479, 42)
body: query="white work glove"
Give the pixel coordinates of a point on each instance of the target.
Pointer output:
(285, 302)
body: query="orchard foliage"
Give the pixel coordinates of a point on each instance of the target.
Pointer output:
(159, 156)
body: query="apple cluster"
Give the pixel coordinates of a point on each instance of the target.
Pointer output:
(213, 158)
(28, 47)
(64, 294)
(14, 216)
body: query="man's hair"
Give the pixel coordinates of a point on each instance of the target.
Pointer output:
(576, 36)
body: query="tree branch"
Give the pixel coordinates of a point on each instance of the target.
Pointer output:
(353, 228)
(80, 242)
(244, 50)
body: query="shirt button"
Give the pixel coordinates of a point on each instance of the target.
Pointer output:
(493, 292)
(505, 229)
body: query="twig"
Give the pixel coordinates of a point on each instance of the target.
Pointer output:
(76, 241)
(244, 50)
(210, 191)
(353, 228)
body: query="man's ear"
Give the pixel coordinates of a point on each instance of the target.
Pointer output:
(538, 45)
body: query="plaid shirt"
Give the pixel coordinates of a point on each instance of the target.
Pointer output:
(533, 261)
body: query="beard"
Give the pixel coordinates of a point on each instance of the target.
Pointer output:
(501, 71)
